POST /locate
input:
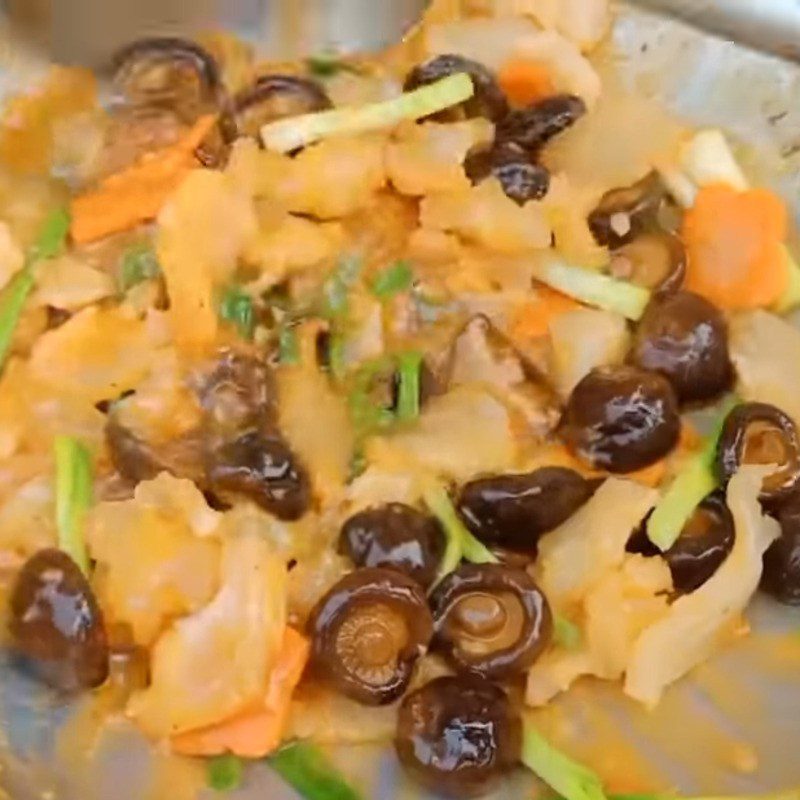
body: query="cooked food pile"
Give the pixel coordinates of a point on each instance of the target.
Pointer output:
(375, 382)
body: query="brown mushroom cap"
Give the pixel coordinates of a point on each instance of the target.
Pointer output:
(367, 633)
(490, 620)
(56, 623)
(759, 433)
(458, 735)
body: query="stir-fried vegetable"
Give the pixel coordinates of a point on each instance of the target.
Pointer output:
(137, 194)
(309, 772)
(571, 780)
(73, 497)
(695, 481)
(224, 773)
(460, 542)
(326, 65)
(48, 244)
(139, 263)
(236, 307)
(593, 288)
(735, 238)
(396, 278)
(408, 369)
(289, 134)
(789, 794)
(566, 633)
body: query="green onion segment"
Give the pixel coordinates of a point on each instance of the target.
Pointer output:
(409, 368)
(73, 497)
(139, 264)
(593, 288)
(393, 280)
(695, 480)
(460, 543)
(571, 780)
(286, 135)
(310, 773)
(224, 773)
(236, 307)
(48, 244)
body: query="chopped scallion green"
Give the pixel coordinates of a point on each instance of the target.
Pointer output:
(48, 244)
(288, 345)
(326, 65)
(396, 278)
(691, 485)
(593, 288)
(236, 307)
(73, 497)
(570, 779)
(286, 135)
(310, 773)
(224, 773)
(566, 633)
(139, 264)
(409, 366)
(460, 543)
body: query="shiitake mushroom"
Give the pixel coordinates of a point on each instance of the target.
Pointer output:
(706, 540)
(532, 127)
(621, 419)
(237, 394)
(367, 633)
(168, 72)
(490, 620)
(458, 735)
(685, 338)
(759, 433)
(513, 511)
(395, 536)
(274, 97)
(488, 100)
(56, 623)
(654, 260)
(261, 467)
(625, 213)
(520, 176)
(781, 576)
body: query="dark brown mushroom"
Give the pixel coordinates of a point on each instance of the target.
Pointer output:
(685, 338)
(759, 433)
(623, 214)
(781, 576)
(367, 633)
(621, 419)
(533, 127)
(654, 260)
(513, 511)
(705, 542)
(274, 97)
(490, 620)
(488, 100)
(262, 468)
(458, 735)
(237, 394)
(56, 624)
(520, 176)
(136, 459)
(395, 536)
(169, 73)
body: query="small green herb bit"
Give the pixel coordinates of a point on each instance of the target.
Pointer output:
(139, 264)
(309, 772)
(236, 307)
(393, 280)
(224, 773)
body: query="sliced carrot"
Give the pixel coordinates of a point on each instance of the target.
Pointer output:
(525, 80)
(136, 195)
(257, 732)
(734, 242)
(531, 319)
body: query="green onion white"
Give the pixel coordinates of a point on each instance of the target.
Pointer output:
(287, 135)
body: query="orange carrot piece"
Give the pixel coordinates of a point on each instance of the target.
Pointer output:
(734, 241)
(258, 732)
(525, 81)
(137, 194)
(531, 319)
